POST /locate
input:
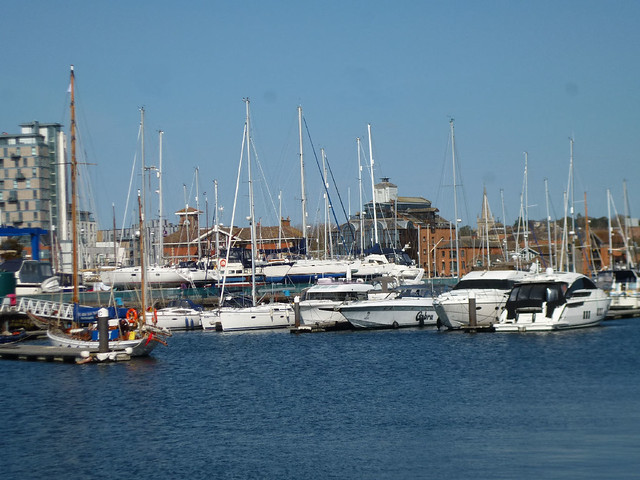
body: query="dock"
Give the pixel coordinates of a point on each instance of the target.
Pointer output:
(47, 353)
(627, 313)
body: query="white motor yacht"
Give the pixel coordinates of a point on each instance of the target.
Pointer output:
(412, 307)
(622, 286)
(553, 301)
(319, 304)
(489, 287)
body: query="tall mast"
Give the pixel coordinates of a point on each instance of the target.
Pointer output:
(373, 191)
(504, 227)
(572, 210)
(144, 169)
(627, 231)
(326, 201)
(74, 200)
(115, 245)
(546, 193)
(251, 208)
(361, 206)
(302, 188)
(216, 220)
(585, 270)
(143, 273)
(198, 213)
(455, 195)
(160, 208)
(526, 206)
(610, 229)
(280, 223)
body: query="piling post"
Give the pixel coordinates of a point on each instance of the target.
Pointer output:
(296, 310)
(103, 330)
(473, 321)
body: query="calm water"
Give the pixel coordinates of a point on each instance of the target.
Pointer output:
(386, 404)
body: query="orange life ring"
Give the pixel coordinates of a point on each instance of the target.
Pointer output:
(132, 316)
(223, 263)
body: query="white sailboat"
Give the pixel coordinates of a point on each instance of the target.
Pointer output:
(133, 334)
(256, 317)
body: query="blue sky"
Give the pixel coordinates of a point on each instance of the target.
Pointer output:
(516, 76)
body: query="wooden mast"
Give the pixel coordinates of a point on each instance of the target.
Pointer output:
(74, 222)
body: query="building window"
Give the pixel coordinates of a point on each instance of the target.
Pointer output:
(28, 183)
(34, 150)
(18, 150)
(1, 196)
(424, 251)
(34, 172)
(15, 184)
(24, 162)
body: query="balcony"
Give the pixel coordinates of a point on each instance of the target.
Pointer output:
(13, 196)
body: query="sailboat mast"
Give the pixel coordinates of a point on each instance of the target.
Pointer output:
(160, 208)
(115, 245)
(572, 210)
(302, 188)
(361, 206)
(144, 169)
(630, 255)
(326, 201)
(455, 196)
(280, 223)
(585, 270)
(143, 273)
(251, 209)
(610, 229)
(546, 193)
(526, 207)
(373, 191)
(74, 194)
(504, 227)
(198, 213)
(217, 226)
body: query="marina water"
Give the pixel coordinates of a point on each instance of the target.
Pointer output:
(398, 404)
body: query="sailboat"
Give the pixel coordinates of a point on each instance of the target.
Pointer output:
(254, 317)
(132, 334)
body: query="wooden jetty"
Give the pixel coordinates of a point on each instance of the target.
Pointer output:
(47, 353)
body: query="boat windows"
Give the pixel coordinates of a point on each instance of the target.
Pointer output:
(482, 283)
(582, 283)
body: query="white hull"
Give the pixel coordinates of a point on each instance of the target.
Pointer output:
(139, 347)
(453, 308)
(178, 319)
(130, 277)
(261, 317)
(490, 289)
(554, 301)
(321, 311)
(397, 312)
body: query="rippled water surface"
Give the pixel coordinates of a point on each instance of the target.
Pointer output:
(398, 404)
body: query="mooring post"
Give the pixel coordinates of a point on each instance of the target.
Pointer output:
(103, 330)
(296, 310)
(473, 321)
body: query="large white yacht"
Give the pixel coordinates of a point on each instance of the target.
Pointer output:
(319, 304)
(553, 301)
(622, 286)
(489, 287)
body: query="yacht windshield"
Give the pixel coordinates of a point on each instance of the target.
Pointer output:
(482, 283)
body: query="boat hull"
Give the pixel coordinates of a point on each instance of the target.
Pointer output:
(399, 312)
(262, 317)
(140, 347)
